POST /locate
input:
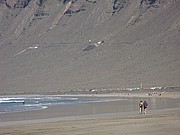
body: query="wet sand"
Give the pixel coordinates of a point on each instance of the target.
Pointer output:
(99, 118)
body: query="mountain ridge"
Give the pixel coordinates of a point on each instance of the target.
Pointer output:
(126, 42)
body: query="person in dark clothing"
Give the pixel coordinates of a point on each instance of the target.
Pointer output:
(145, 105)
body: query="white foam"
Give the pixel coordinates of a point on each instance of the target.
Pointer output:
(44, 107)
(7, 98)
(21, 101)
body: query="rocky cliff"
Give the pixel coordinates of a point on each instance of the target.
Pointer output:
(55, 45)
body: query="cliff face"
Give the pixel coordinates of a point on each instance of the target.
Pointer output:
(54, 45)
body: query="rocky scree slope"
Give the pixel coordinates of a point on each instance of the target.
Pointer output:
(56, 45)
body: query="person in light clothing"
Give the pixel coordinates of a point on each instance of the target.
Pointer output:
(141, 107)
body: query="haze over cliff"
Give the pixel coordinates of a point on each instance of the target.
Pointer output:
(55, 45)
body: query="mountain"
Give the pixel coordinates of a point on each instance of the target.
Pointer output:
(57, 45)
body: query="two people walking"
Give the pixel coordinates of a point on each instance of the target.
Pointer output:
(143, 107)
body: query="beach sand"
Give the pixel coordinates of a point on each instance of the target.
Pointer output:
(42, 122)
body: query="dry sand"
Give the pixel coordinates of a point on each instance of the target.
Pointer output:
(151, 124)
(161, 122)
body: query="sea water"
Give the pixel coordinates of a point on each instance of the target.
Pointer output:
(18, 104)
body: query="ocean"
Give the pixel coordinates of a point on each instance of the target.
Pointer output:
(19, 104)
(27, 103)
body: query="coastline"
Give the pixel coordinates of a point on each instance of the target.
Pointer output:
(166, 94)
(39, 121)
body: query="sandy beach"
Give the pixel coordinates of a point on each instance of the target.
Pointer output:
(105, 119)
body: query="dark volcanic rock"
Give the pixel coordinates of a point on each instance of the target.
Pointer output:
(119, 4)
(15, 3)
(22, 3)
(148, 1)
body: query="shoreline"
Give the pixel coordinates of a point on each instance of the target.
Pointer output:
(98, 118)
(168, 94)
(101, 104)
